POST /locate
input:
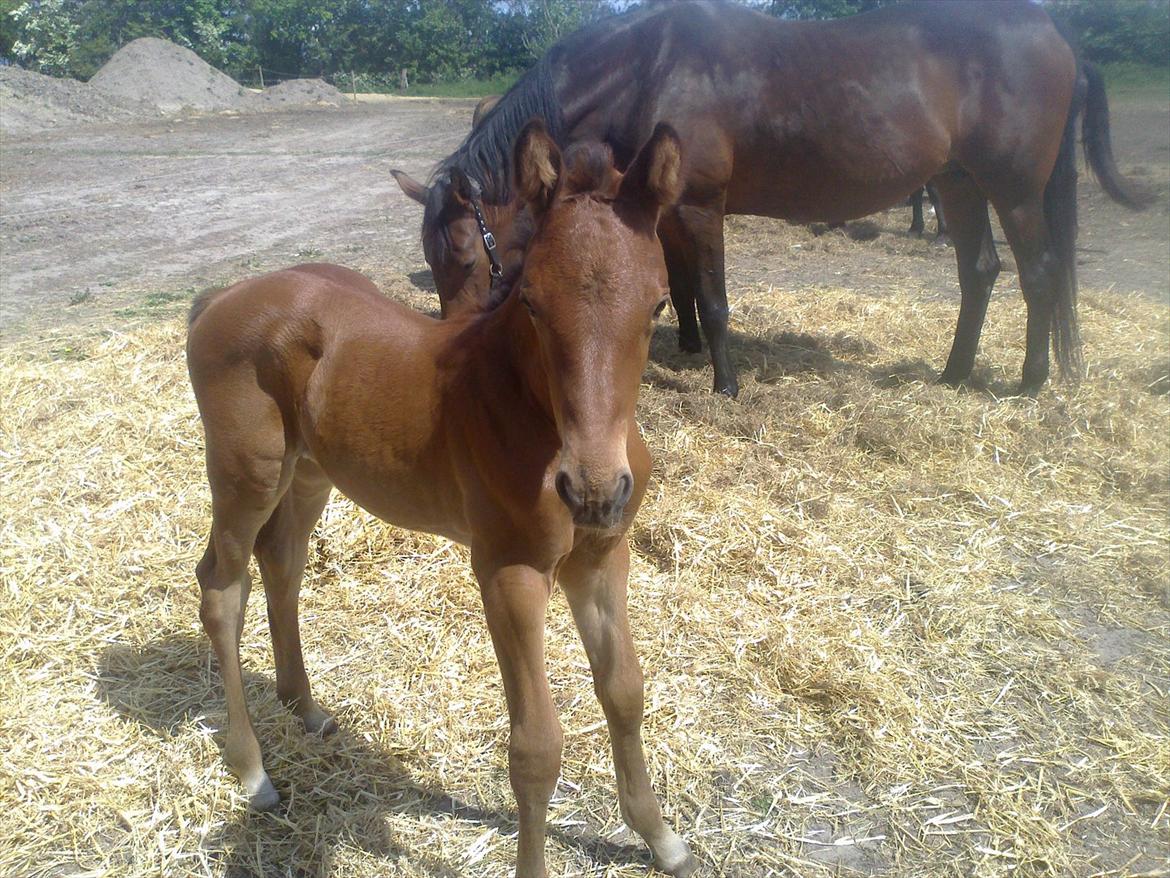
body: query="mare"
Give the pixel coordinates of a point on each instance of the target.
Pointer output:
(511, 431)
(813, 121)
(918, 221)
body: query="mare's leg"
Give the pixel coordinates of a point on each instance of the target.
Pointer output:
(282, 551)
(514, 601)
(970, 228)
(917, 223)
(595, 585)
(680, 274)
(1026, 230)
(940, 234)
(701, 231)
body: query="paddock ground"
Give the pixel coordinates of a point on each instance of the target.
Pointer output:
(887, 628)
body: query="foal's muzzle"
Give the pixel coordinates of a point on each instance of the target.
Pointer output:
(593, 506)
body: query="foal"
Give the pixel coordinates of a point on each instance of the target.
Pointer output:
(511, 431)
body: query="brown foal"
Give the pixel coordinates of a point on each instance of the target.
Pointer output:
(511, 431)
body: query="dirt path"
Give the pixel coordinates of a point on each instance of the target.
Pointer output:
(96, 219)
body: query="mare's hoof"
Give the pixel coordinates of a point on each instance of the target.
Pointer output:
(728, 388)
(263, 795)
(951, 380)
(690, 345)
(941, 241)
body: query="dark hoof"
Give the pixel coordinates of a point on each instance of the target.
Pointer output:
(941, 241)
(1030, 390)
(951, 380)
(690, 345)
(915, 233)
(730, 388)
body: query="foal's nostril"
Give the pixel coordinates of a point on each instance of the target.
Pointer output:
(565, 490)
(625, 487)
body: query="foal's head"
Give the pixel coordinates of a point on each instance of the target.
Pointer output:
(593, 282)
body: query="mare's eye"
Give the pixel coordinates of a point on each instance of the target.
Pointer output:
(661, 305)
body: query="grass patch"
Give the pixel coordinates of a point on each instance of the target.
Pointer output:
(1137, 81)
(459, 88)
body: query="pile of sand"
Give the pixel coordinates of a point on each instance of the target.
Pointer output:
(31, 101)
(144, 78)
(298, 92)
(167, 76)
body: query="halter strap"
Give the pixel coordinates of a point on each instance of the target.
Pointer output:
(489, 240)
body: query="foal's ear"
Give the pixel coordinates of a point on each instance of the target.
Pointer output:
(654, 178)
(536, 166)
(414, 190)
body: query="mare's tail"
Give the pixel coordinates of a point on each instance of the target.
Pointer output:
(1099, 148)
(1060, 211)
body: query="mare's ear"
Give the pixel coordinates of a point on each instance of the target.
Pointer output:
(654, 179)
(462, 189)
(536, 166)
(414, 190)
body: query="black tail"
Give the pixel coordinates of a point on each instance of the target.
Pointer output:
(1060, 210)
(1099, 148)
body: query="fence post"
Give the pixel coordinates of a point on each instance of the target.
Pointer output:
(353, 84)
(260, 70)
(402, 82)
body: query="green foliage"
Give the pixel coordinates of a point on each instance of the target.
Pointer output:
(806, 9)
(1111, 31)
(44, 35)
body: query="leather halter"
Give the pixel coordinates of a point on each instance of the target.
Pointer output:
(489, 240)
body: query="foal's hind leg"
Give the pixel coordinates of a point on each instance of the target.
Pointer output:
(970, 229)
(249, 470)
(595, 585)
(237, 516)
(281, 551)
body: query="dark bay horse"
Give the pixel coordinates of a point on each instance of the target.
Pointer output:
(813, 122)
(511, 431)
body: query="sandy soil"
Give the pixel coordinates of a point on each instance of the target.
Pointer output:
(100, 218)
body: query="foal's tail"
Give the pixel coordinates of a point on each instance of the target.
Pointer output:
(1098, 145)
(1060, 211)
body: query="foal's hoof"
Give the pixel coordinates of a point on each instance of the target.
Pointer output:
(318, 722)
(683, 869)
(262, 795)
(690, 345)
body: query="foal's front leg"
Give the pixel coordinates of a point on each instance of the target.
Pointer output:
(514, 601)
(594, 581)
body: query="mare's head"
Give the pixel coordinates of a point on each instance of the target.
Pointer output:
(593, 282)
(453, 243)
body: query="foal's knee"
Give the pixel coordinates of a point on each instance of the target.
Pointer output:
(534, 757)
(622, 697)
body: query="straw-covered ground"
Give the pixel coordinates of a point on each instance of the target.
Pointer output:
(887, 627)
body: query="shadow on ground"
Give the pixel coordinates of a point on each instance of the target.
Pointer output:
(335, 790)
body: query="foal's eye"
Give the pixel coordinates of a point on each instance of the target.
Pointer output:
(661, 305)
